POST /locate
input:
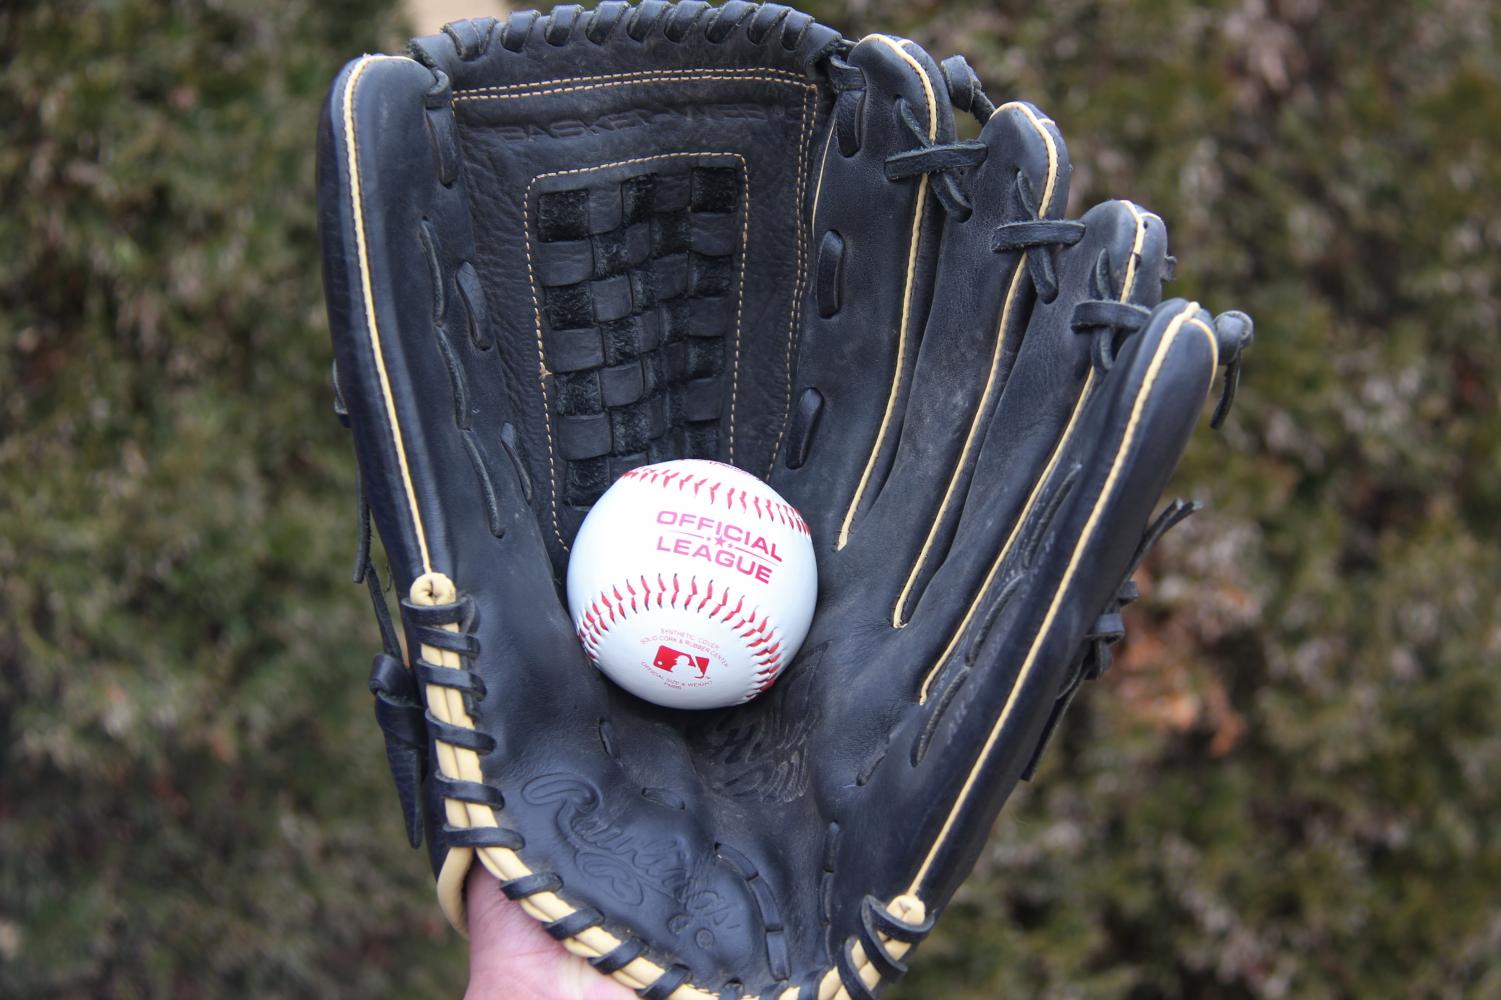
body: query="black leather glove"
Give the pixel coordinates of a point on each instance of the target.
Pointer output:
(561, 247)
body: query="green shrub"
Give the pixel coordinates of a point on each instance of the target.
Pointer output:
(194, 799)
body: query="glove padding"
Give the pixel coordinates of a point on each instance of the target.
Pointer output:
(561, 247)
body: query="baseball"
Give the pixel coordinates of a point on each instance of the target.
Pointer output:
(692, 583)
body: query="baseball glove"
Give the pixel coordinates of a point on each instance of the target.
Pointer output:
(560, 247)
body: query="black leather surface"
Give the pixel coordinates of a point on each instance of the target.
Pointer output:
(560, 247)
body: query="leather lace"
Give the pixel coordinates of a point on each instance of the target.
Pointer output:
(944, 162)
(1037, 238)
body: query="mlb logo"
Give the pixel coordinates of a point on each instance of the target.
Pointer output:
(667, 658)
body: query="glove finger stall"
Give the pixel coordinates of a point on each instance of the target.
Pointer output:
(877, 239)
(980, 312)
(963, 750)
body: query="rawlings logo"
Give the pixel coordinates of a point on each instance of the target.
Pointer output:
(626, 865)
(722, 543)
(667, 658)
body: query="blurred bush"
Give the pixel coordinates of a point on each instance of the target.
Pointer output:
(193, 800)
(1287, 786)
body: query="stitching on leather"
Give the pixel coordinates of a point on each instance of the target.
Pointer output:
(356, 197)
(805, 142)
(542, 372)
(610, 605)
(513, 91)
(663, 78)
(782, 513)
(740, 299)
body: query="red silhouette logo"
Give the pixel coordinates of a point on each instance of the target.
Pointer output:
(667, 658)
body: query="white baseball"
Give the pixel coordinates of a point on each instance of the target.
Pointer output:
(692, 584)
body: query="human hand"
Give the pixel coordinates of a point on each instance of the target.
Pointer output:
(512, 958)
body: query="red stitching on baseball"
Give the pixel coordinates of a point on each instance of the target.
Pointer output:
(783, 513)
(762, 641)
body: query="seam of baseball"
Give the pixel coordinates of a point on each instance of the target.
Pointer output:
(900, 613)
(762, 640)
(777, 510)
(539, 88)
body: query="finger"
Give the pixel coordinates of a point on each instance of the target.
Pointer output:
(512, 958)
(984, 296)
(1121, 258)
(874, 243)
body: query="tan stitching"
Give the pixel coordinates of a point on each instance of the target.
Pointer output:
(610, 605)
(697, 76)
(356, 196)
(447, 704)
(1128, 285)
(901, 342)
(1085, 537)
(639, 76)
(537, 311)
(991, 384)
(542, 372)
(794, 327)
(740, 298)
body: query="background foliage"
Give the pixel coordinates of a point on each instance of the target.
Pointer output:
(1289, 784)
